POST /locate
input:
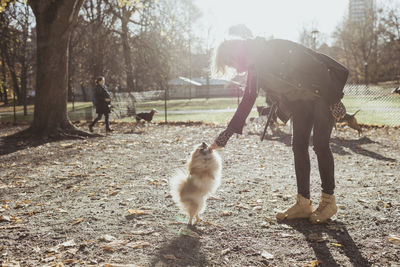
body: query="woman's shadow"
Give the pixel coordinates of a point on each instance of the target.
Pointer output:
(325, 237)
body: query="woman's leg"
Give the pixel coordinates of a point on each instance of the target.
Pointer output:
(303, 116)
(302, 124)
(107, 119)
(323, 124)
(99, 115)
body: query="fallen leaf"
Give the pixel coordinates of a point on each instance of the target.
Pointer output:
(395, 239)
(77, 220)
(315, 237)
(336, 244)
(226, 213)
(114, 193)
(154, 182)
(215, 198)
(66, 145)
(108, 248)
(142, 232)
(139, 244)
(313, 263)
(49, 259)
(12, 226)
(225, 251)
(62, 210)
(5, 218)
(133, 212)
(119, 265)
(69, 243)
(70, 261)
(267, 255)
(118, 243)
(189, 232)
(170, 257)
(286, 235)
(107, 238)
(268, 219)
(388, 205)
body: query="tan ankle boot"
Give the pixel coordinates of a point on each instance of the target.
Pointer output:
(302, 209)
(326, 209)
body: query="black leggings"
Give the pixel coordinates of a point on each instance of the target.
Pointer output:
(106, 117)
(314, 115)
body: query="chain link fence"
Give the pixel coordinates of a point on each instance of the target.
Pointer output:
(375, 105)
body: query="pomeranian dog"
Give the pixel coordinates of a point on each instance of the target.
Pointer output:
(191, 190)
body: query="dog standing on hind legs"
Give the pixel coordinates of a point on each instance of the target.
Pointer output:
(191, 190)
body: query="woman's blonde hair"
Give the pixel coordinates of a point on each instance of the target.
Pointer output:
(225, 53)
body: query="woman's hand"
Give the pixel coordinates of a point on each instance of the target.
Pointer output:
(215, 146)
(108, 100)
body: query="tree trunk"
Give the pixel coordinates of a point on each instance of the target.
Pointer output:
(14, 78)
(3, 71)
(24, 82)
(70, 91)
(54, 23)
(127, 50)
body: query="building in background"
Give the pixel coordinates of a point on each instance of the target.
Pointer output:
(185, 88)
(359, 9)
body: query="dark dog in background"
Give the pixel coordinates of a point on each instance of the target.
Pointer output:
(350, 120)
(147, 116)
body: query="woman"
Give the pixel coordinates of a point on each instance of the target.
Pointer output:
(102, 100)
(309, 86)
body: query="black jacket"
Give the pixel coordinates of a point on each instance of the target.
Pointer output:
(101, 93)
(287, 68)
(290, 72)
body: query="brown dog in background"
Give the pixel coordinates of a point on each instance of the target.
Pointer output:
(350, 120)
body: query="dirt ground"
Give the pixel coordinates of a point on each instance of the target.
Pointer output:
(105, 201)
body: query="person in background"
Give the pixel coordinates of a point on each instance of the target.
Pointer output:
(102, 101)
(305, 85)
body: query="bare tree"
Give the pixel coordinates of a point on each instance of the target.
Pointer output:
(389, 45)
(129, 15)
(54, 23)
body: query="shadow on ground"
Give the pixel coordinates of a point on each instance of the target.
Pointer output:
(326, 237)
(355, 146)
(24, 140)
(184, 249)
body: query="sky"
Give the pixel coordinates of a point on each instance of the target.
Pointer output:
(278, 18)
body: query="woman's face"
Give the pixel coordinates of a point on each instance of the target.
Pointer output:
(101, 82)
(239, 61)
(239, 65)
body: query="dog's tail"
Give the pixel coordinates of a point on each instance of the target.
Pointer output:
(176, 183)
(355, 113)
